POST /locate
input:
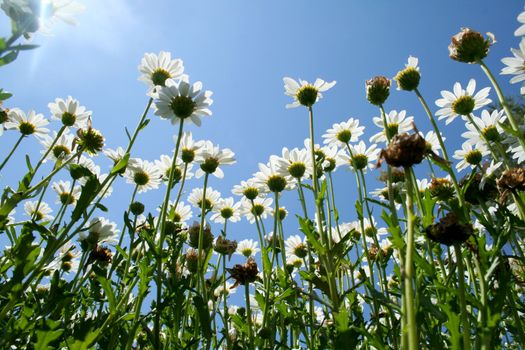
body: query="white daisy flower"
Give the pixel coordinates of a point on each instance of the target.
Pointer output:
(66, 195)
(211, 157)
(490, 127)
(305, 94)
(38, 211)
(469, 156)
(461, 101)
(62, 148)
(53, 11)
(179, 101)
(100, 230)
(296, 163)
(30, 124)
(182, 213)
(261, 208)
(69, 112)
(521, 30)
(410, 67)
(115, 155)
(145, 175)
(344, 230)
(220, 291)
(432, 141)
(361, 157)
(211, 199)
(248, 188)
(164, 166)
(67, 259)
(247, 247)
(396, 123)
(226, 209)
(328, 154)
(342, 133)
(489, 173)
(156, 69)
(272, 178)
(86, 163)
(188, 147)
(295, 246)
(422, 184)
(516, 65)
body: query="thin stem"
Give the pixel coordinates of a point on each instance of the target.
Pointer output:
(12, 151)
(249, 316)
(461, 294)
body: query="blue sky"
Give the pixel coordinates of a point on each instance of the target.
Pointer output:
(241, 50)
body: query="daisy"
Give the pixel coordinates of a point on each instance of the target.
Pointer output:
(67, 259)
(461, 101)
(396, 123)
(422, 185)
(432, 141)
(30, 124)
(296, 163)
(220, 290)
(521, 30)
(408, 78)
(489, 173)
(295, 246)
(145, 175)
(489, 124)
(164, 165)
(38, 211)
(469, 156)
(247, 189)
(327, 155)
(188, 147)
(179, 101)
(305, 94)
(342, 133)
(182, 213)
(516, 65)
(24, 13)
(69, 112)
(54, 10)
(210, 157)
(343, 231)
(247, 247)
(260, 208)
(360, 157)
(211, 199)
(295, 261)
(100, 230)
(62, 147)
(272, 178)
(66, 195)
(226, 209)
(156, 69)
(3, 118)
(81, 167)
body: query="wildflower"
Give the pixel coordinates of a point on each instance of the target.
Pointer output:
(156, 69)
(66, 194)
(469, 156)
(296, 246)
(212, 197)
(30, 124)
(260, 208)
(226, 210)
(67, 259)
(245, 273)
(272, 178)
(188, 147)
(145, 175)
(470, 46)
(441, 188)
(511, 180)
(62, 147)
(295, 163)
(224, 246)
(396, 123)
(3, 118)
(408, 78)
(516, 65)
(180, 101)
(247, 188)
(342, 133)
(405, 150)
(521, 30)
(432, 141)
(489, 124)
(82, 167)
(449, 230)
(377, 90)
(90, 140)
(180, 214)
(165, 164)
(25, 13)
(69, 112)
(211, 157)
(100, 230)
(247, 247)
(39, 211)
(116, 155)
(221, 290)
(54, 10)
(305, 94)
(360, 156)
(207, 236)
(489, 173)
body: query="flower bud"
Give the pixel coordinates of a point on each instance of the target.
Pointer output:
(377, 90)
(136, 208)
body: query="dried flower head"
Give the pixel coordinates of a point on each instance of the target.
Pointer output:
(245, 273)
(192, 260)
(377, 90)
(405, 150)
(470, 46)
(449, 230)
(224, 246)
(207, 240)
(101, 255)
(510, 181)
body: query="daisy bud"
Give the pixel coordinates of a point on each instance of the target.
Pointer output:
(470, 46)
(510, 181)
(441, 188)
(405, 150)
(449, 230)
(282, 213)
(192, 260)
(245, 273)
(90, 140)
(194, 231)
(224, 246)
(187, 155)
(136, 208)
(377, 90)
(408, 78)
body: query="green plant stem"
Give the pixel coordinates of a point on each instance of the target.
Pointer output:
(462, 300)
(483, 314)
(12, 151)
(249, 316)
(49, 149)
(200, 260)
(411, 325)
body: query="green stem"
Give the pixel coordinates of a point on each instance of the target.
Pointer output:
(249, 316)
(12, 151)
(462, 300)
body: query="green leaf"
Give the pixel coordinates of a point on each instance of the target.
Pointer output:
(46, 337)
(120, 165)
(8, 58)
(4, 95)
(88, 193)
(106, 285)
(308, 229)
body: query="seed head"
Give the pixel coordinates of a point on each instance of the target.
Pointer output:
(470, 46)
(245, 273)
(377, 90)
(90, 140)
(405, 150)
(449, 230)
(510, 181)
(224, 246)
(207, 240)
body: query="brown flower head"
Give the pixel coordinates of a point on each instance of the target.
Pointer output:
(449, 230)
(224, 246)
(377, 90)
(245, 273)
(101, 255)
(470, 46)
(192, 260)
(207, 240)
(510, 181)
